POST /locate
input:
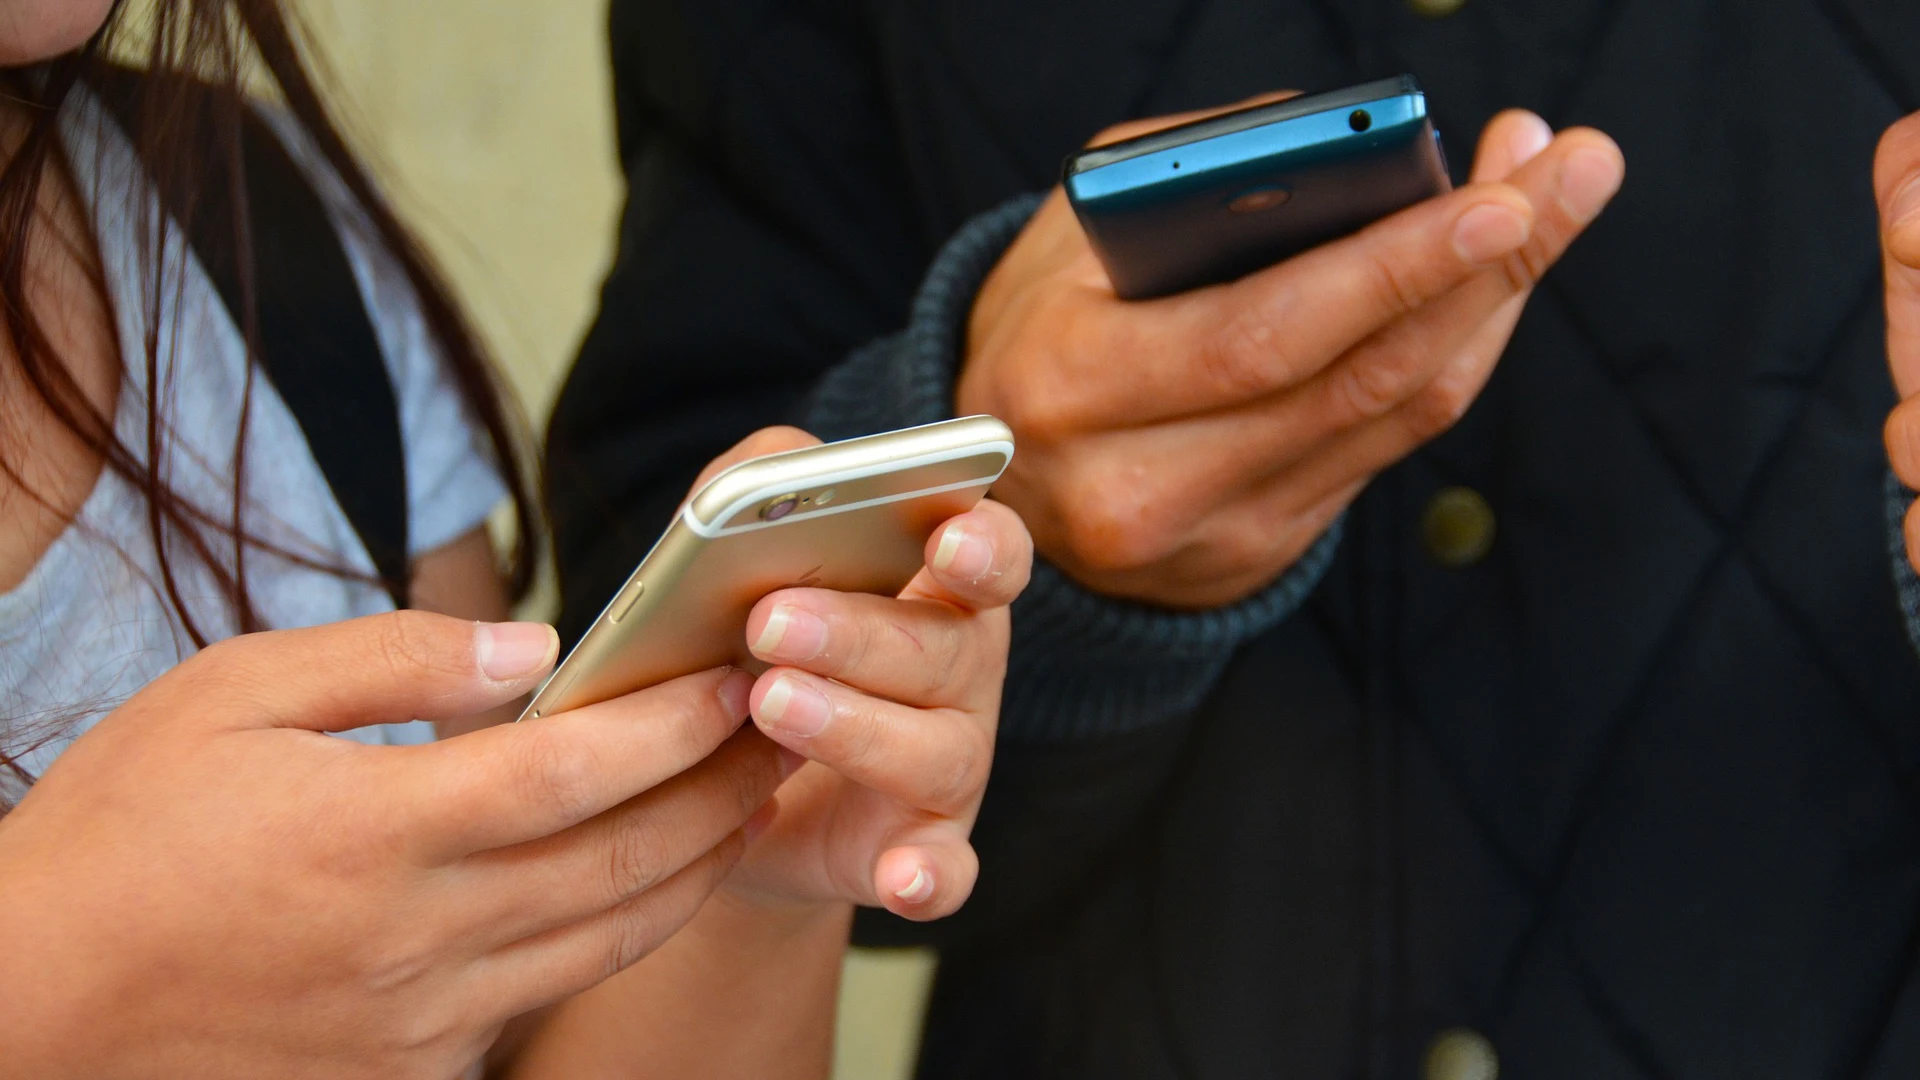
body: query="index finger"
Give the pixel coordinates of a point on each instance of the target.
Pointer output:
(514, 783)
(1228, 345)
(1283, 325)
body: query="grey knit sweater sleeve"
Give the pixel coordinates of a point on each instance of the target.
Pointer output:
(1083, 666)
(1905, 582)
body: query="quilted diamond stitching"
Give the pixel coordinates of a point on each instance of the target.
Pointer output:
(1546, 895)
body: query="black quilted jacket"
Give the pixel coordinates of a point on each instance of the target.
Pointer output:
(1633, 795)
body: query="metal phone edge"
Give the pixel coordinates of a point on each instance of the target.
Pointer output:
(688, 528)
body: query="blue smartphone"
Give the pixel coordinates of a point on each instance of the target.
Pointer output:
(1219, 198)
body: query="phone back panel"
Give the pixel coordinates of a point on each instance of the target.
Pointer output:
(685, 608)
(1217, 199)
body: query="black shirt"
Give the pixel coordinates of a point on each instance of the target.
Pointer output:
(1632, 795)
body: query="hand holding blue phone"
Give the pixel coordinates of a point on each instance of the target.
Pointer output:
(1214, 199)
(1896, 180)
(1186, 450)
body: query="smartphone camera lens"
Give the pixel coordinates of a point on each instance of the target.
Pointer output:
(1252, 202)
(780, 507)
(1360, 120)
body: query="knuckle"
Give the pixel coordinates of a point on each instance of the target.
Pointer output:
(853, 645)
(1111, 523)
(219, 654)
(1028, 409)
(722, 859)
(395, 964)
(1524, 268)
(861, 743)
(931, 653)
(1241, 359)
(696, 721)
(1038, 400)
(1389, 284)
(417, 1030)
(951, 659)
(635, 933)
(408, 644)
(557, 778)
(1439, 407)
(637, 855)
(1378, 380)
(961, 779)
(752, 782)
(223, 668)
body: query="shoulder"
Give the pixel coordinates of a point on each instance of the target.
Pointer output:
(383, 281)
(452, 479)
(387, 293)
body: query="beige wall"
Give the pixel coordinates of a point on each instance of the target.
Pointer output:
(489, 121)
(491, 124)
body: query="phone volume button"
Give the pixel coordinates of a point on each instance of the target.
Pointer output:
(627, 599)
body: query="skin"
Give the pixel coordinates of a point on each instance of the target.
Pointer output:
(452, 886)
(1185, 451)
(33, 30)
(1896, 182)
(879, 816)
(459, 885)
(216, 891)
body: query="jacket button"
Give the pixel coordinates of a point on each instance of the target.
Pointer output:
(1461, 1054)
(1436, 9)
(1458, 527)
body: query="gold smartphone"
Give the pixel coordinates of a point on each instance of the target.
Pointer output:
(853, 516)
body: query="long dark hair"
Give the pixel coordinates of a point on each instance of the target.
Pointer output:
(200, 57)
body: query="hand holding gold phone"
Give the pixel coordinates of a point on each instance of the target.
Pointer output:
(852, 516)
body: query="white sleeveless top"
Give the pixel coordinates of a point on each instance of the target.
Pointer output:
(91, 624)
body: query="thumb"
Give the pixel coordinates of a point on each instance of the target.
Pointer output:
(383, 669)
(1897, 183)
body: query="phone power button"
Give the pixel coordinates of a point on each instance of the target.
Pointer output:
(627, 599)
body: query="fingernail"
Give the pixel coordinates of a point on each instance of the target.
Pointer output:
(1530, 136)
(1490, 231)
(963, 554)
(1905, 204)
(920, 889)
(736, 692)
(793, 707)
(791, 635)
(510, 652)
(1589, 178)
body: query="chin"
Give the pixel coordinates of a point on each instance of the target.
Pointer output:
(36, 30)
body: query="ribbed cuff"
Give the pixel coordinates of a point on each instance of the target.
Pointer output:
(1906, 582)
(908, 379)
(1083, 665)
